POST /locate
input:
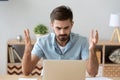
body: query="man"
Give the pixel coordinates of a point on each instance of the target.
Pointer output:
(62, 44)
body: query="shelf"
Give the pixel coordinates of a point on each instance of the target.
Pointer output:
(14, 66)
(16, 69)
(103, 51)
(16, 42)
(107, 43)
(16, 49)
(110, 69)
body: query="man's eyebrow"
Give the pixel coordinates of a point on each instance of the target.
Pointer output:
(63, 28)
(66, 27)
(58, 26)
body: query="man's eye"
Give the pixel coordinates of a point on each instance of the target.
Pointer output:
(66, 27)
(58, 28)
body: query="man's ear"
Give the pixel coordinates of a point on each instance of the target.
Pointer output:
(51, 25)
(72, 23)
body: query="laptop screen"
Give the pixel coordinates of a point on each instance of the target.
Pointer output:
(64, 70)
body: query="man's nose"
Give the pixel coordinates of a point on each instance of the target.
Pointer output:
(62, 31)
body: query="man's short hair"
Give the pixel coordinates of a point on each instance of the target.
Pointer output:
(61, 13)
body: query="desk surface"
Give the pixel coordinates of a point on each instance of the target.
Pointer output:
(16, 77)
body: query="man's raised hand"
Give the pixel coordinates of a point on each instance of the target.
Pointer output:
(93, 39)
(28, 46)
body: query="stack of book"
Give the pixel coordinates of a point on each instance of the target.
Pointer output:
(13, 54)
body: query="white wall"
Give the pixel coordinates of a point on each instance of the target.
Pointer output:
(16, 15)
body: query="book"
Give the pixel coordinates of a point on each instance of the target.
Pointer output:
(11, 56)
(16, 53)
(98, 54)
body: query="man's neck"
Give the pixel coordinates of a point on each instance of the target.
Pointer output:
(62, 43)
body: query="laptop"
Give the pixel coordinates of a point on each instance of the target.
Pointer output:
(64, 70)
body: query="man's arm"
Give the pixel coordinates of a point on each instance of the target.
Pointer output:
(28, 61)
(92, 62)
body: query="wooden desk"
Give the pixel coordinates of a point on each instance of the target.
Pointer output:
(16, 77)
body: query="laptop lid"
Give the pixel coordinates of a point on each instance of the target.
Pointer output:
(64, 70)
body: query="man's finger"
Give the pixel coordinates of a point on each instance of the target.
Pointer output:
(91, 35)
(26, 32)
(96, 36)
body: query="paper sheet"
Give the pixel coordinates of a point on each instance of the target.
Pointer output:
(98, 78)
(27, 79)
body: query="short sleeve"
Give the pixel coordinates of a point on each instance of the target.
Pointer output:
(85, 50)
(37, 50)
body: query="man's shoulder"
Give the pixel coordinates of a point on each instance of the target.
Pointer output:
(78, 36)
(46, 37)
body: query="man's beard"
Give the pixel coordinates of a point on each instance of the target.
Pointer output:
(63, 37)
